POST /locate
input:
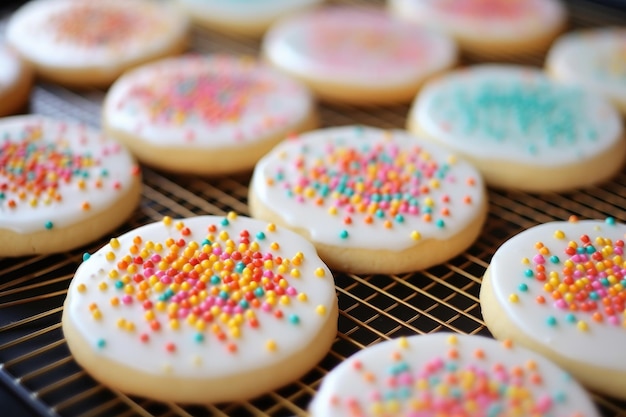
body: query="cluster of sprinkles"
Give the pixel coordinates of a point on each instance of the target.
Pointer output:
(37, 170)
(369, 183)
(98, 25)
(531, 115)
(218, 286)
(587, 281)
(456, 383)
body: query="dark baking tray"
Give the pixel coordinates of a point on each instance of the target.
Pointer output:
(37, 369)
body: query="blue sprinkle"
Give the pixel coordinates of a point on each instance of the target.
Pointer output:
(610, 220)
(198, 338)
(260, 235)
(343, 234)
(86, 256)
(101, 343)
(215, 280)
(294, 319)
(225, 222)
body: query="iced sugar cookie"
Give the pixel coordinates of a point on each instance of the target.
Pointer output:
(520, 129)
(212, 114)
(559, 288)
(594, 59)
(489, 27)
(441, 374)
(62, 185)
(245, 17)
(16, 81)
(357, 55)
(372, 201)
(201, 310)
(91, 42)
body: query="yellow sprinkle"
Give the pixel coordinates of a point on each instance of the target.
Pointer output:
(302, 297)
(231, 215)
(452, 340)
(558, 234)
(113, 274)
(129, 289)
(179, 225)
(103, 286)
(167, 220)
(513, 298)
(149, 315)
(582, 326)
(332, 210)
(320, 272)
(81, 288)
(403, 342)
(275, 246)
(115, 244)
(321, 310)
(224, 235)
(174, 324)
(525, 261)
(97, 314)
(284, 300)
(121, 323)
(115, 301)
(130, 326)
(295, 272)
(271, 227)
(415, 235)
(271, 345)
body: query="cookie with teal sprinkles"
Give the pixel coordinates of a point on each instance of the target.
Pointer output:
(521, 129)
(559, 288)
(443, 374)
(201, 310)
(371, 200)
(62, 185)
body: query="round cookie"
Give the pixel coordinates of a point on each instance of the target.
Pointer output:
(62, 185)
(520, 129)
(559, 288)
(489, 28)
(357, 55)
(443, 374)
(16, 81)
(82, 43)
(207, 115)
(370, 200)
(201, 310)
(594, 59)
(242, 17)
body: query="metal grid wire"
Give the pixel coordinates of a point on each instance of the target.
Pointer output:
(36, 364)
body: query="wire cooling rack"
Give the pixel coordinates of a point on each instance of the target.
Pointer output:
(36, 366)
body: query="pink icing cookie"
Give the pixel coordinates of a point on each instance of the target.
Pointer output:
(16, 80)
(357, 55)
(560, 288)
(202, 310)
(91, 42)
(62, 185)
(371, 200)
(449, 375)
(211, 114)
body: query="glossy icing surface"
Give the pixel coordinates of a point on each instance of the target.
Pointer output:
(595, 59)
(448, 375)
(90, 33)
(205, 101)
(357, 45)
(246, 10)
(364, 187)
(517, 114)
(56, 173)
(201, 297)
(564, 285)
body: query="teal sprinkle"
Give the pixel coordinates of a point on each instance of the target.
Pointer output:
(86, 256)
(244, 304)
(2, 196)
(104, 172)
(260, 235)
(440, 223)
(258, 291)
(551, 320)
(280, 176)
(223, 295)
(294, 319)
(529, 273)
(494, 410)
(169, 293)
(405, 393)
(215, 280)
(206, 242)
(570, 318)
(428, 210)
(289, 193)
(343, 234)
(101, 343)
(605, 282)
(400, 218)
(239, 267)
(451, 366)
(225, 222)
(380, 214)
(555, 259)
(560, 397)
(48, 225)
(590, 249)
(523, 287)
(198, 338)
(398, 368)
(119, 285)
(610, 220)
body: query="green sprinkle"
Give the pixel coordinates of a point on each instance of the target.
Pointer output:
(343, 234)
(48, 225)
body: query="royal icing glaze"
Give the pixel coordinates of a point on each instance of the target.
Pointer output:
(564, 285)
(594, 59)
(92, 33)
(449, 375)
(511, 113)
(10, 68)
(55, 173)
(364, 187)
(357, 45)
(202, 297)
(212, 101)
(504, 19)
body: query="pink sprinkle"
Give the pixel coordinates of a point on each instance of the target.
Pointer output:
(539, 259)
(127, 299)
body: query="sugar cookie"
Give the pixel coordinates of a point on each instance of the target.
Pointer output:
(62, 185)
(357, 55)
(520, 129)
(243, 17)
(91, 42)
(443, 374)
(559, 288)
(489, 28)
(208, 115)
(594, 59)
(201, 310)
(16, 81)
(371, 201)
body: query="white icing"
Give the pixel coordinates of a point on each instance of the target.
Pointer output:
(512, 113)
(107, 171)
(357, 46)
(208, 358)
(470, 18)
(244, 11)
(311, 150)
(10, 68)
(385, 379)
(108, 43)
(594, 59)
(602, 343)
(212, 101)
